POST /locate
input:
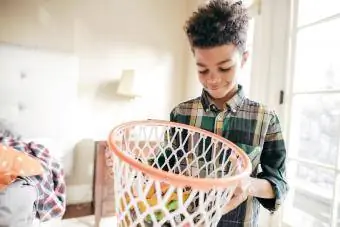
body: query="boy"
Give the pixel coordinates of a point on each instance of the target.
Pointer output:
(217, 33)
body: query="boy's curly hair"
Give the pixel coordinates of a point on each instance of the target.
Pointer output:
(217, 23)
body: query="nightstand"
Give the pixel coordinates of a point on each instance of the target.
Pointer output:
(103, 191)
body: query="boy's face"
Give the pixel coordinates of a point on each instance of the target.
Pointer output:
(218, 68)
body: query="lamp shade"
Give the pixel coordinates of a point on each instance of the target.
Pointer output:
(127, 84)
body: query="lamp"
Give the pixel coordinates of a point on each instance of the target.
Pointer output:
(127, 84)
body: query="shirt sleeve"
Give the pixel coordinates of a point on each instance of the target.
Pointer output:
(173, 115)
(273, 164)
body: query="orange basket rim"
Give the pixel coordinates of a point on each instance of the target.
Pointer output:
(174, 179)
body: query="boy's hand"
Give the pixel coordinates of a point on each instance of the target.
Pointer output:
(240, 195)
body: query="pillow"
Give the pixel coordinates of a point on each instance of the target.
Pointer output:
(14, 163)
(6, 129)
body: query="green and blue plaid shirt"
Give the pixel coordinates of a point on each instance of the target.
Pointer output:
(256, 130)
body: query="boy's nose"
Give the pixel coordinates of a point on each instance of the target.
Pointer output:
(213, 79)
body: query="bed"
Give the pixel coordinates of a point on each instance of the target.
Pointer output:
(38, 98)
(38, 95)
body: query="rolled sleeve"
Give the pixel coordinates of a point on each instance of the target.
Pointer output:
(273, 164)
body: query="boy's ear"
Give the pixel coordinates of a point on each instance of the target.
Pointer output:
(245, 56)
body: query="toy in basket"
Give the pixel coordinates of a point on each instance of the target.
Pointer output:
(170, 174)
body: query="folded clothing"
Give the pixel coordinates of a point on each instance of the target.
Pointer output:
(17, 204)
(50, 185)
(14, 163)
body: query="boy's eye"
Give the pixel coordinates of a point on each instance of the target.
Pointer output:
(225, 70)
(204, 71)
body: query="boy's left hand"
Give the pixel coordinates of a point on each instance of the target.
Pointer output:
(240, 195)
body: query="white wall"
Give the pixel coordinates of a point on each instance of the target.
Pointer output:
(107, 36)
(37, 23)
(143, 35)
(192, 86)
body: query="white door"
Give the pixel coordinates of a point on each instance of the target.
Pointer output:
(314, 119)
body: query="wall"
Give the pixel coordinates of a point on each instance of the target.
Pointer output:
(107, 36)
(192, 86)
(143, 35)
(130, 34)
(37, 23)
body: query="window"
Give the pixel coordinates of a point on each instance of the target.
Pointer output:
(314, 123)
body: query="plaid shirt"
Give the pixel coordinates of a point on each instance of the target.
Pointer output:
(257, 131)
(51, 202)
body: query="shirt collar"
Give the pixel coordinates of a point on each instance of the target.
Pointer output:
(233, 104)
